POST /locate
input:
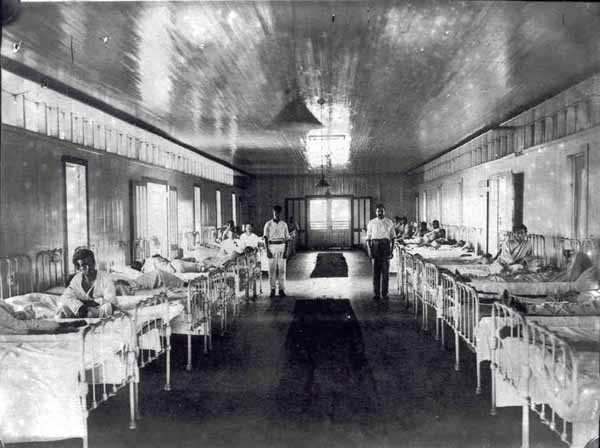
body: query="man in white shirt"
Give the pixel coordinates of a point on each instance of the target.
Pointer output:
(380, 244)
(248, 238)
(276, 237)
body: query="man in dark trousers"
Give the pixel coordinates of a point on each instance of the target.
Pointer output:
(380, 244)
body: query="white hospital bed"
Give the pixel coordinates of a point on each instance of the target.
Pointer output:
(50, 382)
(551, 366)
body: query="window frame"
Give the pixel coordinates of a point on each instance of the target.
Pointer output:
(65, 159)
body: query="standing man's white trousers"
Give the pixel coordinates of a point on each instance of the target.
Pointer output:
(277, 266)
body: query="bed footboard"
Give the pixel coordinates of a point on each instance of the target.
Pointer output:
(544, 369)
(16, 276)
(109, 363)
(154, 333)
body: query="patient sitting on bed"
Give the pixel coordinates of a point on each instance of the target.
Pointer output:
(90, 293)
(516, 253)
(435, 234)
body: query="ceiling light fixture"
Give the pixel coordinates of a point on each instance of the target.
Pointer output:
(295, 114)
(322, 182)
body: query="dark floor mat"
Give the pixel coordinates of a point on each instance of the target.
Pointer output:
(326, 376)
(330, 264)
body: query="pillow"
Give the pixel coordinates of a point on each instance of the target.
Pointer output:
(181, 266)
(39, 305)
(125, 272)
(56, 291)
(157, 263)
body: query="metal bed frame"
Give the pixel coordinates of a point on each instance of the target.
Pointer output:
(560, 356)
(16, 276)
(49, 269)
(140, 249)
(94, 388)
(163, 327)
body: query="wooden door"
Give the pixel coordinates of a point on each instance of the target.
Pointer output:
(361, 215)
(329, 222)
(296, 208)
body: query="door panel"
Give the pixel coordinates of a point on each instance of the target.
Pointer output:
(579, 193)
(492, 224)
(140, 246)
(500, 206)
(360, 218)
(317, 223)
(329, 222)
(296, 207)
(340, 235)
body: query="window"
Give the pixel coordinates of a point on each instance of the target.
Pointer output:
(340, 214)
(173, 223)
(158, 219)
(318, 214)
(579, 194)
(76, 207)
(197, 210)
(234, 209)
(219, 217)
(155, 220)
(531, 134)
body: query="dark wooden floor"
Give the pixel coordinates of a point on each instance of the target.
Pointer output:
(291, 373)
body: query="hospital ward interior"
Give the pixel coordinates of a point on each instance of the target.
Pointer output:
(300, 224)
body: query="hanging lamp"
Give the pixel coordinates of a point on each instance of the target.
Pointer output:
(322, 182)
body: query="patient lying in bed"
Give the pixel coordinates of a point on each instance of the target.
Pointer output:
(14, 321)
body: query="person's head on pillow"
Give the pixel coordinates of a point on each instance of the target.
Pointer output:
(85, 262)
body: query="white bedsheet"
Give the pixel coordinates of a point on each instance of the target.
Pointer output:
(448, 253)
(484, 330)
(522, 288)
(543, 386)
(39, 387)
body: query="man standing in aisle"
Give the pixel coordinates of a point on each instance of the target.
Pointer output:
(380, 244)
(276, 237)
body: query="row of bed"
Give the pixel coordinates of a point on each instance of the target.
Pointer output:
(541, 336)
(51, 381)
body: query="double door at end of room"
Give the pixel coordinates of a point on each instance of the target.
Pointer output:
(329, 224)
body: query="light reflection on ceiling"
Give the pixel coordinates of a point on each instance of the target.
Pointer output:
(403, 80)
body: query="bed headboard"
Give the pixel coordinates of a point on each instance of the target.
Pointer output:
(140, 249)
(461, 234)
(110, 254)
(451, 231)
(49, 269)
(474, 236)
(192, 239)
(16, 276)
(538, 243)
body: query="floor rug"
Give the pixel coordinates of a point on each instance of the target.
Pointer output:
(330, 264)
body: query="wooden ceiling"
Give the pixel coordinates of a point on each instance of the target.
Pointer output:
(406, 80)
